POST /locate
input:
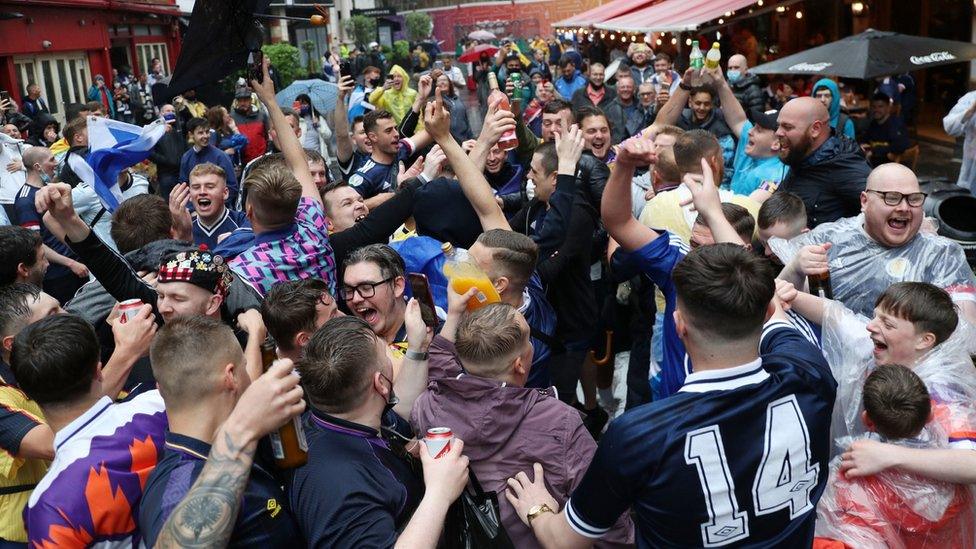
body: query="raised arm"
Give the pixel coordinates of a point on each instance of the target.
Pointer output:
(412, 380)
(344, 145)
(290, 147)
(735, 115)
(615, 207)
(671, 110)
(268, 403)
(437, 121)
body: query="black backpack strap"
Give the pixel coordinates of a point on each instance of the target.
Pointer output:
(554, 344)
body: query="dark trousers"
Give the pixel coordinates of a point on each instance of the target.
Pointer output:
(564, 369)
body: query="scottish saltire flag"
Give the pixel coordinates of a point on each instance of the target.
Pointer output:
(113, 147)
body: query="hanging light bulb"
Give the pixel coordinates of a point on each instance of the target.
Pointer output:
(759, 3)
(780, 9)
(613, 37)
(674, 41)
(687, 41)
(728, 14)
(721, 21)
(718, 36)
(603, 35)
(658, 41)
(799, 14)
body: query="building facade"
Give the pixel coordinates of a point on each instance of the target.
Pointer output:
(61, 45)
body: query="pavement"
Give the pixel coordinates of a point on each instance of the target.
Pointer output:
(938, 161)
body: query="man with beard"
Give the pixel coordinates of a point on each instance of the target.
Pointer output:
(866, 254)
(252, 123)
(640, 67)
(886, 137)
(827, 172)
(570, 79)
(22, 256)
(596, 93)
(379, 176)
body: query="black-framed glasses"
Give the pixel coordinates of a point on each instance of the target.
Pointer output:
(894, 198)
(365, 290)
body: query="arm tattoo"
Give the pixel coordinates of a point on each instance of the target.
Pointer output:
(208, 512)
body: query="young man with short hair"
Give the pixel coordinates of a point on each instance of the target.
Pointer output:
(201, 373)
(22, 256)
(203, 151)
(293, 310)
(379, 176)
(739, 454)
(782, 215)
(208, 192)
(352, 146)
(93, 489)
(596, 133)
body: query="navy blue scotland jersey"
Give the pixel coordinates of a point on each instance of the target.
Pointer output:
(373, 178)
(738, 457)
(228, 222)
(264, 520)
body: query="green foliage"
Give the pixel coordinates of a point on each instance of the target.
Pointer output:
(312, 63)
(285, 59)
(361, 28)
(419, 26)
(401, 53)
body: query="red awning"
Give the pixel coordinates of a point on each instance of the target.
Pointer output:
(599, 14)
(673, 16)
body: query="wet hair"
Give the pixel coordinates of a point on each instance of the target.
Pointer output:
(928, 307)
(550, 159)
(196, 123)
(73, 128)
(273, 194)
(15, 306)
(338, 364)
(693, 145)
(737, 216)
(371, 119)
(557, 106)
(55, 358)
(724, 291)
(18, 245)
(488, 340)
(513, 255)
(897, 401)
(782, 207)
(140, 220)
(386, 258)
(289, 308)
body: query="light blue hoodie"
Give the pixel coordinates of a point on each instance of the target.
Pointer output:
(848, 129)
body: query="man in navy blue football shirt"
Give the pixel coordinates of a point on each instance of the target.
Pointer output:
(739, 454)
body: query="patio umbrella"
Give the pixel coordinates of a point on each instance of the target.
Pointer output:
(474, 54)
(482, 35)
(323, 94)
(872, 53)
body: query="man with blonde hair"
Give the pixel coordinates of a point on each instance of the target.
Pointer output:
(208, 192)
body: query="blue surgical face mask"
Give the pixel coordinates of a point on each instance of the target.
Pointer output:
(306, 110)
(733, 76)
(45, 178)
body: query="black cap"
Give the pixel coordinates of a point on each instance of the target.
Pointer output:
(765, 119)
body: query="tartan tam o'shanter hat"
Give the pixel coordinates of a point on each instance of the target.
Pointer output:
(198, 267)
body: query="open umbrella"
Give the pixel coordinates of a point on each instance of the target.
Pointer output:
(472, 55)
(872, 53)
(482, 35)
(323, 94)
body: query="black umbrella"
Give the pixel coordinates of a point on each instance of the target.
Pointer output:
(872, 53)
(220, 35)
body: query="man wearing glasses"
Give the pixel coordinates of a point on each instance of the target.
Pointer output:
(866, 254)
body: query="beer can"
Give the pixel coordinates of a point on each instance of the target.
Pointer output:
(438, 441)
(128, 309)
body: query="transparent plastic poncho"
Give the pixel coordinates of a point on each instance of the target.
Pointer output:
(860, 268)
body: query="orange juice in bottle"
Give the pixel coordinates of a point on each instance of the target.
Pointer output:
(464, 274)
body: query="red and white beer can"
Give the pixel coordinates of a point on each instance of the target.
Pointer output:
(128, 309)
(438, 441)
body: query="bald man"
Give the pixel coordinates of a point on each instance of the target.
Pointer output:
(882, 246)
(745, 85)
(827, 172)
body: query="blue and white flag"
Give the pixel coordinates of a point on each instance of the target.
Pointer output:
(114, 146)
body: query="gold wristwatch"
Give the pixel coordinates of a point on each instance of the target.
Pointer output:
(537, 510)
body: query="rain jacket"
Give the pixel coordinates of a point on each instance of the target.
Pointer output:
(830, 181)
(10, 182)
(835, 115)
(748, 92)
(956, 125)
(505, 430)
(397, 101)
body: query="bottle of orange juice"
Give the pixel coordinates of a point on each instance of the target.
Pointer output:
(464, 274)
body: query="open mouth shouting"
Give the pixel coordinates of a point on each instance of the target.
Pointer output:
(370, 315)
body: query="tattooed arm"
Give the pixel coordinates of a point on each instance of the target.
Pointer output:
(206, 516)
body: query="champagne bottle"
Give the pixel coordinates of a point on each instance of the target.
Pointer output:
(288, 443)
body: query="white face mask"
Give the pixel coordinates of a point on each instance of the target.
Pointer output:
(529, 189)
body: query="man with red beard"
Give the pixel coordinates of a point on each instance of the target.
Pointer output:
(866, 254)
(826, 170)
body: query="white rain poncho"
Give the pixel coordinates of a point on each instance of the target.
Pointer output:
(947, 371)
(956, 127)
(860, 268)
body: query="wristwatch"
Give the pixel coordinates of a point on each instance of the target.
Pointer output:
(684, 86)
(537, 510)
(416, 355)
